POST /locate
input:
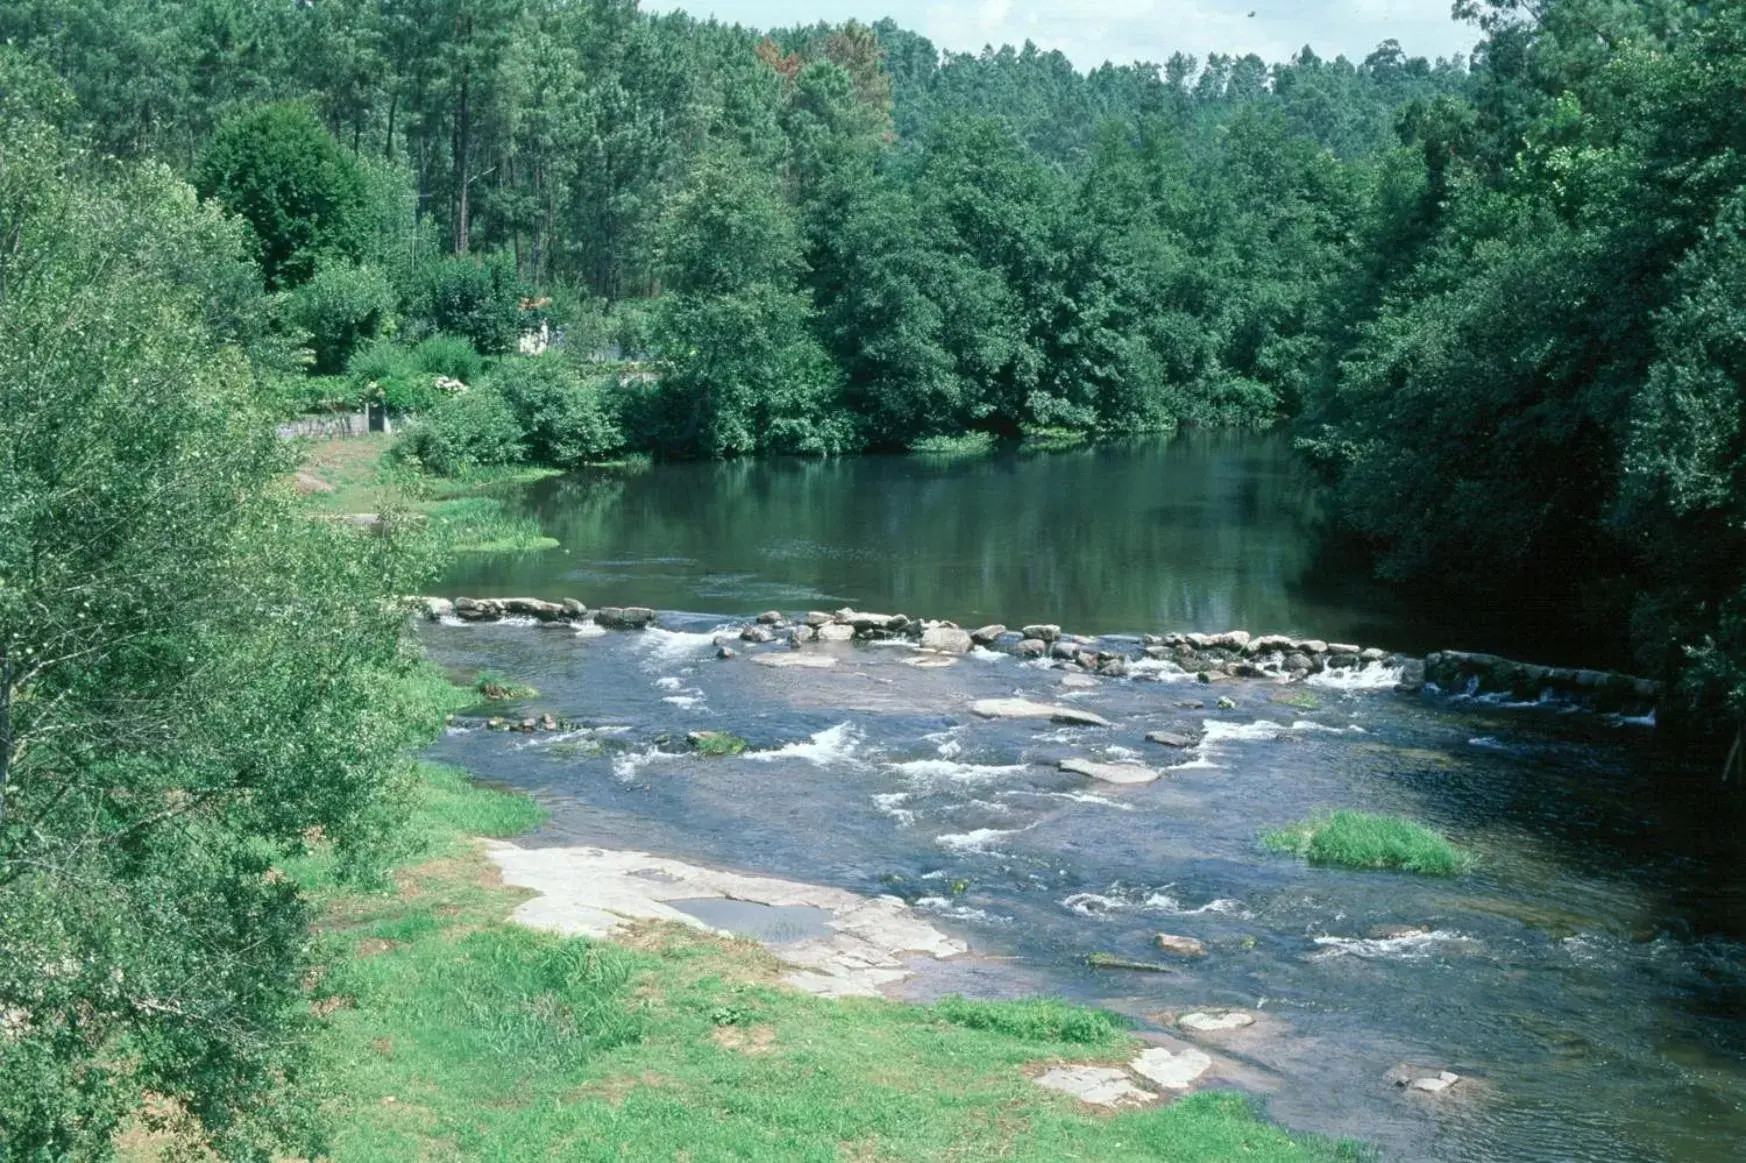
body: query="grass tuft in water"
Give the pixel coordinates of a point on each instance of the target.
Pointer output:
(499, 688)
(1042, 1019)
(717, 743)
(1348, 839)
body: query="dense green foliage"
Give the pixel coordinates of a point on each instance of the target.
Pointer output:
(197, 681)
(1347, 839)
(1500, 297)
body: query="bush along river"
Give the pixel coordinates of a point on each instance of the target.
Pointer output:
(1084, 812)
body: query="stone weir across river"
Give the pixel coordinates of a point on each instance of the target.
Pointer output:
(1208, 657)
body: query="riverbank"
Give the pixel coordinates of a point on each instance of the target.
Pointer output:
(354, 480)
(451, 1032)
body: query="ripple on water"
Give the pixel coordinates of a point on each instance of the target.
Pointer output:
(839, 744)
(977, 840)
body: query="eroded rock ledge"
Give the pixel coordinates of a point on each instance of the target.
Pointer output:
(592, 892)
(1209, 657)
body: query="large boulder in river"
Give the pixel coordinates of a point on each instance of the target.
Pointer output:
(1047, 633)
(532, 608)
(1031, 648)
(946, 639)
(1117, 773)
(436, 609)
(987, 635)
(477, 610)
(625, 617)
(835, 632)
(1025, 709)
(757, 633)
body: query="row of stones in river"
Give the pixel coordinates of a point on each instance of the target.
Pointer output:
(1233, 654)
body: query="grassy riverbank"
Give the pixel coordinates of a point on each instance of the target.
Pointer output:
(356, 475)
(449, 1033)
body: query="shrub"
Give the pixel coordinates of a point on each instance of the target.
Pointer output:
(1363, 840)
(474, 429)
(450, 355)
(566, 420)
(341, 307)
(477, 299)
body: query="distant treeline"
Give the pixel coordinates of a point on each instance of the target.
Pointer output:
(1501, 299)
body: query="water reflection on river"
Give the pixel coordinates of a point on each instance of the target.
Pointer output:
(1209, 531)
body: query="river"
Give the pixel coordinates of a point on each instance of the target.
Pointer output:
(1588, 978)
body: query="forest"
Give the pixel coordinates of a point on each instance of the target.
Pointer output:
(1499, 302)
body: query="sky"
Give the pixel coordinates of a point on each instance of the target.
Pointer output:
(1090, 33)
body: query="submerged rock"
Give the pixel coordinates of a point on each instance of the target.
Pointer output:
(1025, 709)
(1117, 773)
(1171, 1069)
(1212, 1023)
(802, 661)
(1180, 946)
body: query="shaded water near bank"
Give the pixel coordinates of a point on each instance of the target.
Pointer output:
(1208, 531)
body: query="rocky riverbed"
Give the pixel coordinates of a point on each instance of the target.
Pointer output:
(1084, 820)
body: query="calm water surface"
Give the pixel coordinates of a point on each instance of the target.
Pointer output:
(1589, 976)
(1206, 532)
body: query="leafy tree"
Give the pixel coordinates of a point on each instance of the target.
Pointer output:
(196, 681)
(302, 195)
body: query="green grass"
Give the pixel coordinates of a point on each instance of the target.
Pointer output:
(717, 743)
(451, 1034)
(1347, 839)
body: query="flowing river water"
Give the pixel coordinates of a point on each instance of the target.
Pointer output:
(1588, 979)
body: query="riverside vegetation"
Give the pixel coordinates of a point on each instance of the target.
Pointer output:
(1502, 299)
(1499, 297)
(239, 920)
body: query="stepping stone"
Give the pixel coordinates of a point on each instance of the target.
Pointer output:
(1098, 1085)
(804, 661)
(1118, 773)
(1025, 709)
(1435, 1085)
(1205, 1023)
(1171, 1069)
(1180, 946)
(1169, 739)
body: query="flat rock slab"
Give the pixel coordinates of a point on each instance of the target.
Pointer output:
(1169, 739)
(1098, 1085)
(1205, 1023)
(592, 892)
(1119, 773)
(802, 661)
(931, 662)
(1081, 681)
(1171, 1069)
(1026, 709)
